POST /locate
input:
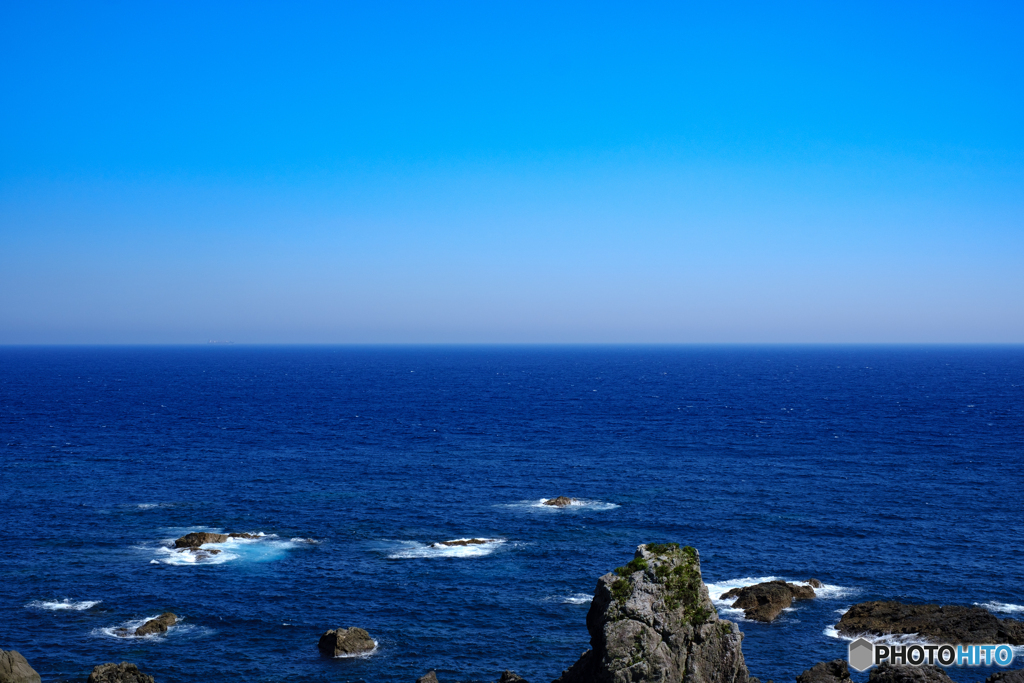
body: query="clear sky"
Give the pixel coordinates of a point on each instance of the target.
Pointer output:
(174, 172)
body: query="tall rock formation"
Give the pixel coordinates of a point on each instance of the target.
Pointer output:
(653, 621)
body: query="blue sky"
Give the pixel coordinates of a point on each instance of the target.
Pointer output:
(487, 172)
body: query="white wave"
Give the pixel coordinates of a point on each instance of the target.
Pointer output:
(719, 588)
(884, 639)
(1004, 607)
(577, 599)
(414, 550)
(63, 604)
(358, 655)
(262, 549)
(311, 541)
(827, 591)
(148, 506)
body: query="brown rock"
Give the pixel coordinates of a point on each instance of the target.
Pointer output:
(15, 669)
(464, 541)
(429, 677)
(926, 673)
(560, 501)
(158, 625)
(198, 538)
(1014, 676)
(943, 623)
(244, 535)
(510, 677)
(125, 672)
(835, 671)
(345, 642)
(815, 583)
(765, 601)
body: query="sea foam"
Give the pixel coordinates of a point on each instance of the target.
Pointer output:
(56, 605)
(407, 550)
(265, 548)
(1004, 607)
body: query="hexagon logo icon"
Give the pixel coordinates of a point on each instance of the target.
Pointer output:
(861, 654)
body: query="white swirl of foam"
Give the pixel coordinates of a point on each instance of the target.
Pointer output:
(1004, 607)
(885, 638)
(415, 550)
(54, 605)
(577, 599)
(261, 549)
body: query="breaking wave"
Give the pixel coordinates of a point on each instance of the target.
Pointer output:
(56, 605)
(125, 631)
(1004, 607)
(407, 550)
(264, 548)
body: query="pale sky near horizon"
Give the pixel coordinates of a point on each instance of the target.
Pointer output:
(486, 172)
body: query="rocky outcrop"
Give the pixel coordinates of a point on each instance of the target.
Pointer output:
(15, 669)
(765, 601)
(652, 620)
(198, 538)
(835, 671)
(560, 501)
(814, 583)
(158, 625)
(510, 677)
(1014, 676)
(941, 623)
(927, 673)
(464, 541)
(125, 672)
(345, 642)
(429, 677)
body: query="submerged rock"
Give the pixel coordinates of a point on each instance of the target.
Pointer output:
(652, 620)
(429, 677)
(345, 642)
(835, 671)
(926, 673)
(15, 669)
(464, 541)
(765, 601)
(244, 535)
(510, 677)
(158, 625)
(944, 623)
(125, 672)
(198, 538)
(560, 501)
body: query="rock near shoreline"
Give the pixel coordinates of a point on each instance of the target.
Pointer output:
(653, 621)
(560, 501)
(125, 672)
(943, 623)
(15, 669)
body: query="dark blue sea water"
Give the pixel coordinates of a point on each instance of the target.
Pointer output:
(885, 472)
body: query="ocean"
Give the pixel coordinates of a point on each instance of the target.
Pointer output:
(885, 472)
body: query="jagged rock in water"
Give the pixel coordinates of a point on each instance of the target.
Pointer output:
(198, 538)
(344, 642)
(560, 501)
(244, 535)
(765, 601)
(510, 677)
(429, 677)
(835, 671)
(15, 669)
(1014, 676)
(158, 625)
(814, 583)
(942, 623)
(652, 620)
(926, 673)
(464, 541)
(125, 672)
